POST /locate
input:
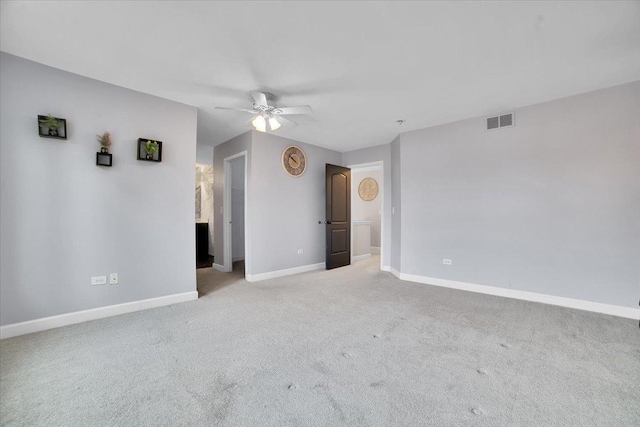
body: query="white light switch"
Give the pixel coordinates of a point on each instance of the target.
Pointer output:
(446, 261)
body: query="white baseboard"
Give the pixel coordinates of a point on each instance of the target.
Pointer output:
(375, 249)
(385, 268)
(614, 310)
(218, 267)
(286, 272)
(395, 272)
(363, 256)
(45, 323)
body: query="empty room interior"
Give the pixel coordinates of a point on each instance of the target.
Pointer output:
(362, 213)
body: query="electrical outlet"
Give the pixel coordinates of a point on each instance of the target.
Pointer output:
(113, 279)
(446, 261)
(98, 280)
(300, 251)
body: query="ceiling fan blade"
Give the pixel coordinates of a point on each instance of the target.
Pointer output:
(244, 110)
(300, 109)
(259, 98)
(286, 122)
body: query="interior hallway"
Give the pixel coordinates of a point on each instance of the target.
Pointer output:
(349, 346)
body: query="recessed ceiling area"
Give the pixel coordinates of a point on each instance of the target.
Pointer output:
(360, 65)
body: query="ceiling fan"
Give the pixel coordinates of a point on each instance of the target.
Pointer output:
(266, 112)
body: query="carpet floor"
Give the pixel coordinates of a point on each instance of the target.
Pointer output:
(352, 346)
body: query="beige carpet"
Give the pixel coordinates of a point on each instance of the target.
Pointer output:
(352, 346)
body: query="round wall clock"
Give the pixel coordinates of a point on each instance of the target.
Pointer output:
(368, 189)
(294, 161)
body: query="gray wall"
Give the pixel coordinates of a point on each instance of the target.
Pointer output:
(233, 146)
(204, 154)
(367, 210)
(376, 154)
(63, 219)
(284, 211)
(237, 208)
(396, 209)
(550, 206)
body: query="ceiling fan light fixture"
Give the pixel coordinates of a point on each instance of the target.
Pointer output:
(274, 124)
(259, 123)
(264, 112)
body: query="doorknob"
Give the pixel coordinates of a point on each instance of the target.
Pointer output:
(327, 222)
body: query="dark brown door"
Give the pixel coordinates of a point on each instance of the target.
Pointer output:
(338, 219)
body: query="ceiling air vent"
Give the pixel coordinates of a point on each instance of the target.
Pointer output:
(504, 120)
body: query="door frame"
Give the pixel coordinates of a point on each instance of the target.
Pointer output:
(363, 167)
(226, 215)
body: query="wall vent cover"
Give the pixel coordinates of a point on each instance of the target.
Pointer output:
(501, 121)
(493, 123)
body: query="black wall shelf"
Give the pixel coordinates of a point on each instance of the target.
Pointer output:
(142, 154)
(60, 133)
(104, 159)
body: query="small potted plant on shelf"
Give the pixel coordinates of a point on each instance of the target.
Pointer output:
(51, 124)
(105, 141)
(150, 148)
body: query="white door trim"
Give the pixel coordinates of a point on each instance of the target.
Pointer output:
(226, 215)
(364, 167)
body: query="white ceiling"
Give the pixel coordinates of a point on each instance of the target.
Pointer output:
(360, 65)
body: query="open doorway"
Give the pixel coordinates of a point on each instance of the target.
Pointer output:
(367, 181)
(235, 213)
(204, 215)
